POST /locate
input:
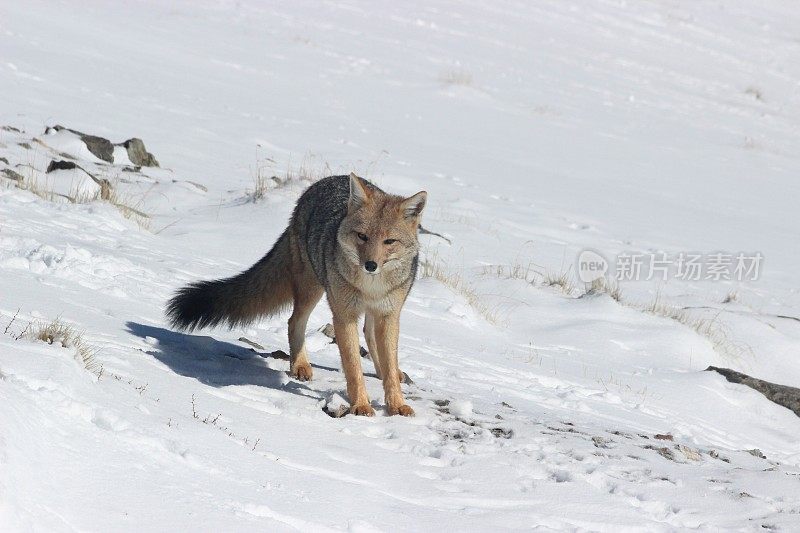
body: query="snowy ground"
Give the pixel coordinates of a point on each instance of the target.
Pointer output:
(539, 130)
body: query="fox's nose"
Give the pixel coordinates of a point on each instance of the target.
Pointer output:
(371, 266)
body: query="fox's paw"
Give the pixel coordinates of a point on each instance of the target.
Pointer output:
(402, 410)
(302, 372)
(363, 409)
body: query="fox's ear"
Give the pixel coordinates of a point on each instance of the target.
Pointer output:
(359, 194)
(412, 207)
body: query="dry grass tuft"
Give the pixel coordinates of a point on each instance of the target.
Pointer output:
(562, 281)
(58, 332)
(261, 185)
(130, 208)
(456, 77)
(525, 272)
(36, 182)
(710, 328)
(433, 267)
(605, 286)
(266, 180)
(731, 297)
(516, 270)
(755, 92)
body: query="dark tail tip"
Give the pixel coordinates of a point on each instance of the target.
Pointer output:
(194, 307)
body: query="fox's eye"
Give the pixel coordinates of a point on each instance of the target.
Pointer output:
(390, 241)
(362, 237)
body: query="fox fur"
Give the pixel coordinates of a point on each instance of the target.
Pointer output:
(346, 239)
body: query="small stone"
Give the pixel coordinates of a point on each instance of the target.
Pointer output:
(502, 433)
(100, 147)
(12, 175)
(60, 165)
(755, 452)
(689, 453)
(663, 451)
(666, 453)
(198, 185)
(601, 442)
(328, 331)
(336, 406)
(138, 154)
(715, 455)
(278, 354)
(254, 344)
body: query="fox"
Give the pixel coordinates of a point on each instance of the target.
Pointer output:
(346, 239)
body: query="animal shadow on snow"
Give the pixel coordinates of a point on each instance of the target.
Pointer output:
(216, 363)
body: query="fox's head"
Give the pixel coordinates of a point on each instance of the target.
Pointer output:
(379, 233)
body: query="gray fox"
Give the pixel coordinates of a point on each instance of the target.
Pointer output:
(348, 239)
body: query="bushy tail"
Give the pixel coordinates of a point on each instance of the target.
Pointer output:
(263, 289)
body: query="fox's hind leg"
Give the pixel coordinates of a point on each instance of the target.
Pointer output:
(306, 296)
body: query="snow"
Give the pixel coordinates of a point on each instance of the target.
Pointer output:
(539, 130)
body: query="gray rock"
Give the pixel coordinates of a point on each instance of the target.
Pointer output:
(101, 148)
(254, 344)
(601, 442)
(198, 185)
(783, 395)
(663, 451)
(755, 452)
(336, 406)
(4, 160)
(105, 185)
(327, 330)
(12, 175)
(138, 154)
(60, 165)
(690, 453)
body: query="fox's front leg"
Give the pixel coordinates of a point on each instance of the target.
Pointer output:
(346, 328)
(387, 331)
